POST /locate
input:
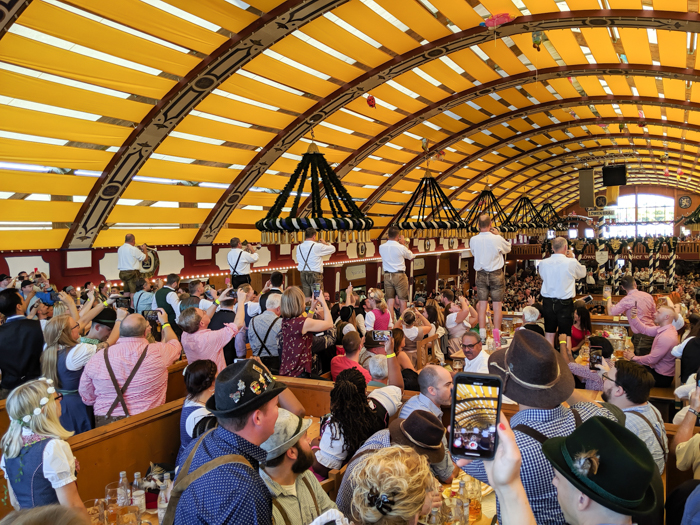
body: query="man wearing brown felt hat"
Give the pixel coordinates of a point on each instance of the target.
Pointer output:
(537, 377)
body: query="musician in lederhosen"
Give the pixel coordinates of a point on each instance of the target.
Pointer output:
(239, 260)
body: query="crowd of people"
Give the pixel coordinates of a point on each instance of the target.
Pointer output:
(244, 454)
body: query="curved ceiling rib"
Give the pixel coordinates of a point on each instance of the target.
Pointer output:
(671, 21)
(546, 129)
(177, 104)
(561, 157)
(521, 79)
(604, 120)
(519, 113)
(9, 12)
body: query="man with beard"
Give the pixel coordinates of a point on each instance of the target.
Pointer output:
(627, 386)
(297, 496)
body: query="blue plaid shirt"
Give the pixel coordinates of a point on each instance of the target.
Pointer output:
(377, 440)
(233, 493)
(536, 471)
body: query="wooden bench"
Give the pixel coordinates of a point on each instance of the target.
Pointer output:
(422, 347)
(665, 399)
(130, 444)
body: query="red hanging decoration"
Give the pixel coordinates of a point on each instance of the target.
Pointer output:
(371, 102)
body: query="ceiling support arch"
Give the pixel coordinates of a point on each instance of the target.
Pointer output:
(9, 12)
(563, 165)
(546, 129)
(177, 104)
(519, 113)
(671, 21)
(607, 120)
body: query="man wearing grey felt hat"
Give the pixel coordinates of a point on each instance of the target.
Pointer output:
(297, 496)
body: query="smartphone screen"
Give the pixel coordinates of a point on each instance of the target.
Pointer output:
(607, 289)
(595, 358)
(381, 335)
(476, 405)
(588, 299)
(151, 315)
(316, 287)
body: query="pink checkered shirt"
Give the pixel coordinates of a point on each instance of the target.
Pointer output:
(209, 344)
(147, 388)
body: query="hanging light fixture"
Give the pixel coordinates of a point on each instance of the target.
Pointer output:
(346, 222)
(526, 219)
(429, 213)
(487, 203)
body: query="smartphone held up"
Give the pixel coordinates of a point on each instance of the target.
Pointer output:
(316, 287)
(476, 408)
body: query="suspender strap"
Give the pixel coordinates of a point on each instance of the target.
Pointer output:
(281, 510)
(539, 436)
(306, 259)
(186, 478)
(263, 340)
(653, 430)
(234, 270)
(122, 390)
(313, 496)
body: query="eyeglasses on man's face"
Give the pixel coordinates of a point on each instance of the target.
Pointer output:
(470, 347)
(606, 376)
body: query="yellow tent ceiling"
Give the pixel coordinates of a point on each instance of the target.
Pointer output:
(77, 78)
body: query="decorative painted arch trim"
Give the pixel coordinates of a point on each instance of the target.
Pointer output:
(519, 113)
(230, 57)
(562, 157)
(539, 131)
(9, 13)
(661, 20)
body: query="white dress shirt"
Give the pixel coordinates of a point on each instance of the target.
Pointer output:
(559, 274)
(394, 255)
(243, 267)
(172, 299)
(488, 250)
(478, 365)
(129, 258)
(310, 256)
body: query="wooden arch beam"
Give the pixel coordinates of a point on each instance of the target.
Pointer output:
(9, 13)
(230, 57)
(512, 115)
(593, 160)
(667, 20)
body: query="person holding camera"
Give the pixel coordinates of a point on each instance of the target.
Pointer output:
(239, 260)
(309, 257)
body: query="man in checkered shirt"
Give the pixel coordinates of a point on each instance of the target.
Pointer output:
(537, 378)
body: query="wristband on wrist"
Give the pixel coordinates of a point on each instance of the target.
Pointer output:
(105, 303)
(166, 324)
(693, 411)
(393, 354)
(216, 301)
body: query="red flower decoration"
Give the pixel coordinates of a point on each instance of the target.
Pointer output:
(370, 102)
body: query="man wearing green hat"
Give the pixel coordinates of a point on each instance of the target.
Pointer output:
(602, 473)
(297, 496)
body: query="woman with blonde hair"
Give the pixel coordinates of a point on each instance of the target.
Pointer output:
(379, 317)
(63, 361)
(393, 486)
(294, 338)
(38, 464)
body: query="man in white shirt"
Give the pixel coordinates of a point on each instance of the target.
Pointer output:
(488, 249)
(559, 273)
(394, 255)
(196, 289)
(475, 361)
(310, 255)
(239, 259)
(129, 263)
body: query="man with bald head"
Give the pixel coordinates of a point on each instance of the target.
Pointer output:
(559, 273)
(129, 259)
(131, 376)
(660, 362)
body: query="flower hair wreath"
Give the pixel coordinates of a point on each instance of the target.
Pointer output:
(42, 402)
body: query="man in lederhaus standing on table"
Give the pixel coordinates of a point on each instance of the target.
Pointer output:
(488, 249)
(559, 273)
(129, 263)
(394, 255)
(240, 258)
(310, 255)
